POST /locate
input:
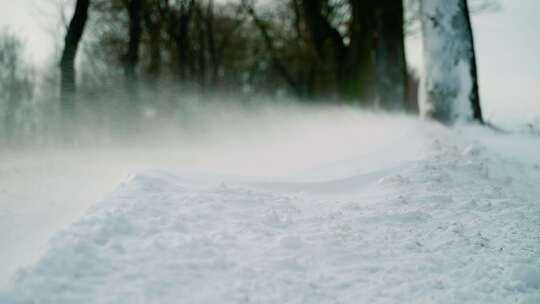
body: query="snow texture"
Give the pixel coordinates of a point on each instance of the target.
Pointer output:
(459, 225)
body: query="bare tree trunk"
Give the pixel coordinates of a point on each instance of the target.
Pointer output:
(131, 61)
(413, 90)
(135, 32)
(153, 22)
(183, 47)
(450, 68)
(329, 48)
(67, 62)
(280, 67)
(390, 62)
(201, 50)
(353, 63)
(212, 43)
(359, 69)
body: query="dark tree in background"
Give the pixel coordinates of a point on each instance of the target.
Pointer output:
(134, 9)
(144, 61)
(131, 59)
(369, 56)
(16, 87)
(351, 62)
(314, 50)
(390, 63)
(212, 47)
(358, 75)
(180, 22)
(67, 62)
(272, 50)
(154, 17)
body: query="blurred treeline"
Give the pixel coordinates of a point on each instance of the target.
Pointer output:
(308, 49)
(143, 60)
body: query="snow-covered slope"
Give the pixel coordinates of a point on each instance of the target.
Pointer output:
(454, 220)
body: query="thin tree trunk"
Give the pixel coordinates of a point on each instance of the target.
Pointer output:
(67, 62)
(135, 32)
(451, 85)
(212, 42)
(201, 36)
(183, 46)
(152, 15)
(131, 61)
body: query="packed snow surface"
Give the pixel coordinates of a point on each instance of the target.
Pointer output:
(401, 212)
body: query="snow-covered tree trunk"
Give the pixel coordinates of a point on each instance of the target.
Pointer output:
(450, 83)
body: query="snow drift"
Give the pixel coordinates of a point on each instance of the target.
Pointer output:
(342, 207)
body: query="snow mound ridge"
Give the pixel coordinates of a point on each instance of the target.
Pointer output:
(461, 226)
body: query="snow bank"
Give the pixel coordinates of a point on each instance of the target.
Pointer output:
(45, 190)
(458, 223)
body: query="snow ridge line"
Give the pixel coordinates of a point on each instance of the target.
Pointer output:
(459, 227)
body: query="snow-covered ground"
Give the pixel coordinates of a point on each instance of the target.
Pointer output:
(324, 206)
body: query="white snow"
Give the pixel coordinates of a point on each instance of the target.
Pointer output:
(363, 209)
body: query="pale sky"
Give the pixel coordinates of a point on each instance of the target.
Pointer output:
(30, 20)
(507, 43)
(508, 48)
